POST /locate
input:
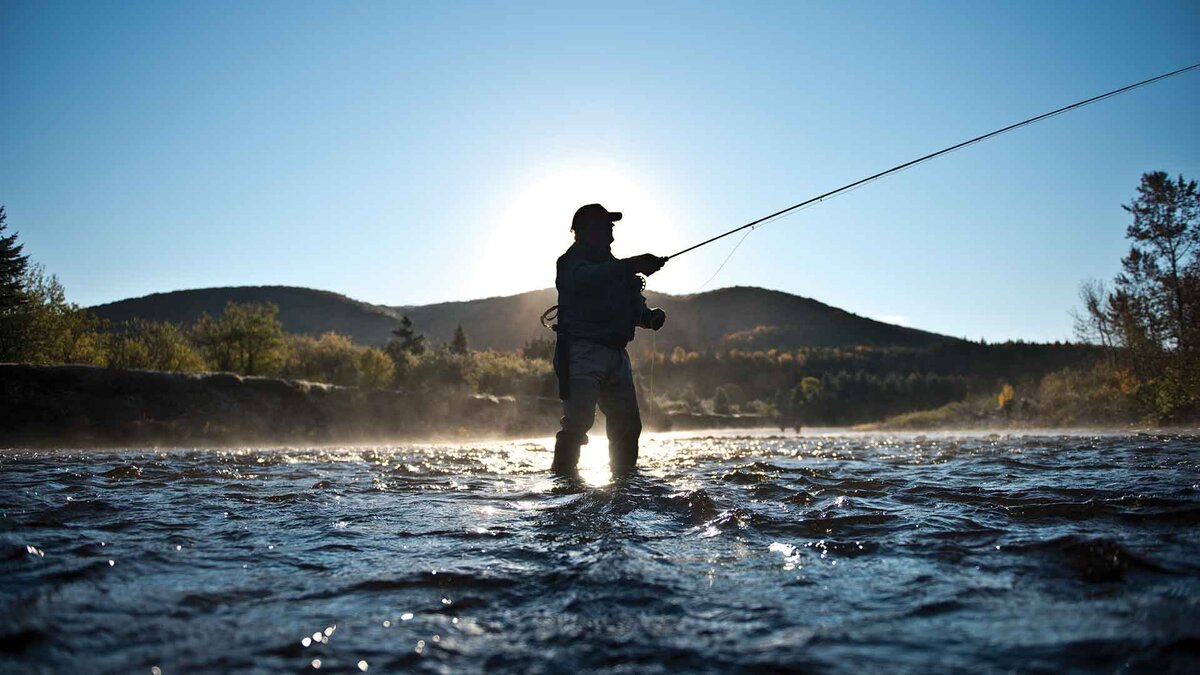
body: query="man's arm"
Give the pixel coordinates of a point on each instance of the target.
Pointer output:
(651, 317)
(581, 275)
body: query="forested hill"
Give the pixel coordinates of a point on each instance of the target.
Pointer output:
(747, 317)
(301, 310)
(757, 318)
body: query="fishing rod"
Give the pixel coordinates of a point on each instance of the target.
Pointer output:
(939, 153)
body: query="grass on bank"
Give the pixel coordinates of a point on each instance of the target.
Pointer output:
(1104, 395)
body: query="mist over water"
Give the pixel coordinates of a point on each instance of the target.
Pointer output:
(839, 552)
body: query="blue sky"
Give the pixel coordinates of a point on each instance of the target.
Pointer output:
(406, 153)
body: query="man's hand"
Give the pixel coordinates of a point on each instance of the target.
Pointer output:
(657, 318)
(646, 263)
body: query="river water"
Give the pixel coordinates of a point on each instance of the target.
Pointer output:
(838, 552)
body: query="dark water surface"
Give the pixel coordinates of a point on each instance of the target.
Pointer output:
(727, 553)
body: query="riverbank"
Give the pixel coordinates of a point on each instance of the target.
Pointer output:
(85, 406)
(983, 414)
(89, 407)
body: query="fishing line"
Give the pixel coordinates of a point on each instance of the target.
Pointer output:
(766, 221)
(653, 358)
(933, 155)
(722, 265)
(752, 229)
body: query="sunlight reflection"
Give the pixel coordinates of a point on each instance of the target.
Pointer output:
(657, 452)
(593, 465)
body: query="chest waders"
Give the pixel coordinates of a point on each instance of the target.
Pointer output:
(562, 351)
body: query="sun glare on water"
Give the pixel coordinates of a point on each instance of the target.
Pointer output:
(535, 227)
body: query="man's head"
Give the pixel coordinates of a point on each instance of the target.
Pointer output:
(593, 225)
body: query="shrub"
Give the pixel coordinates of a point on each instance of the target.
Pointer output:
(152, 345)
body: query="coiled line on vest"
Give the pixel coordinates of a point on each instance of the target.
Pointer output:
(550, 315)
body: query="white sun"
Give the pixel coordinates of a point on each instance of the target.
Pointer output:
(534, 228)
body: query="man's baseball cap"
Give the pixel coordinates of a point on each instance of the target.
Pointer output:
(593, 213)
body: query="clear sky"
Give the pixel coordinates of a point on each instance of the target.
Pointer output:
(406, 153)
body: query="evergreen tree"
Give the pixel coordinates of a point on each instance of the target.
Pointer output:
(404, 349)
(406, 340)
(458, 344)
(13, 267)
(721, 405)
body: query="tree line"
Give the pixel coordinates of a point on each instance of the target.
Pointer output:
(38, 325)
(835, 386)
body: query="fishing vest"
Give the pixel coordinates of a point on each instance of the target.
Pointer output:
(599, 298)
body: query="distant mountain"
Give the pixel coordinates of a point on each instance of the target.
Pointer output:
(504, 323)
(746, 317)
(301, 310)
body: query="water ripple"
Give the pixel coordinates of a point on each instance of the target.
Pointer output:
(725, 553)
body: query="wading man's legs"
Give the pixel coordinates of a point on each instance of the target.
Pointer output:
(602, 375)
(618, 402)
(587, 365)
(579, 413)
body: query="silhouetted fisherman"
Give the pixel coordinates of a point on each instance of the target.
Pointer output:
(600, 302)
